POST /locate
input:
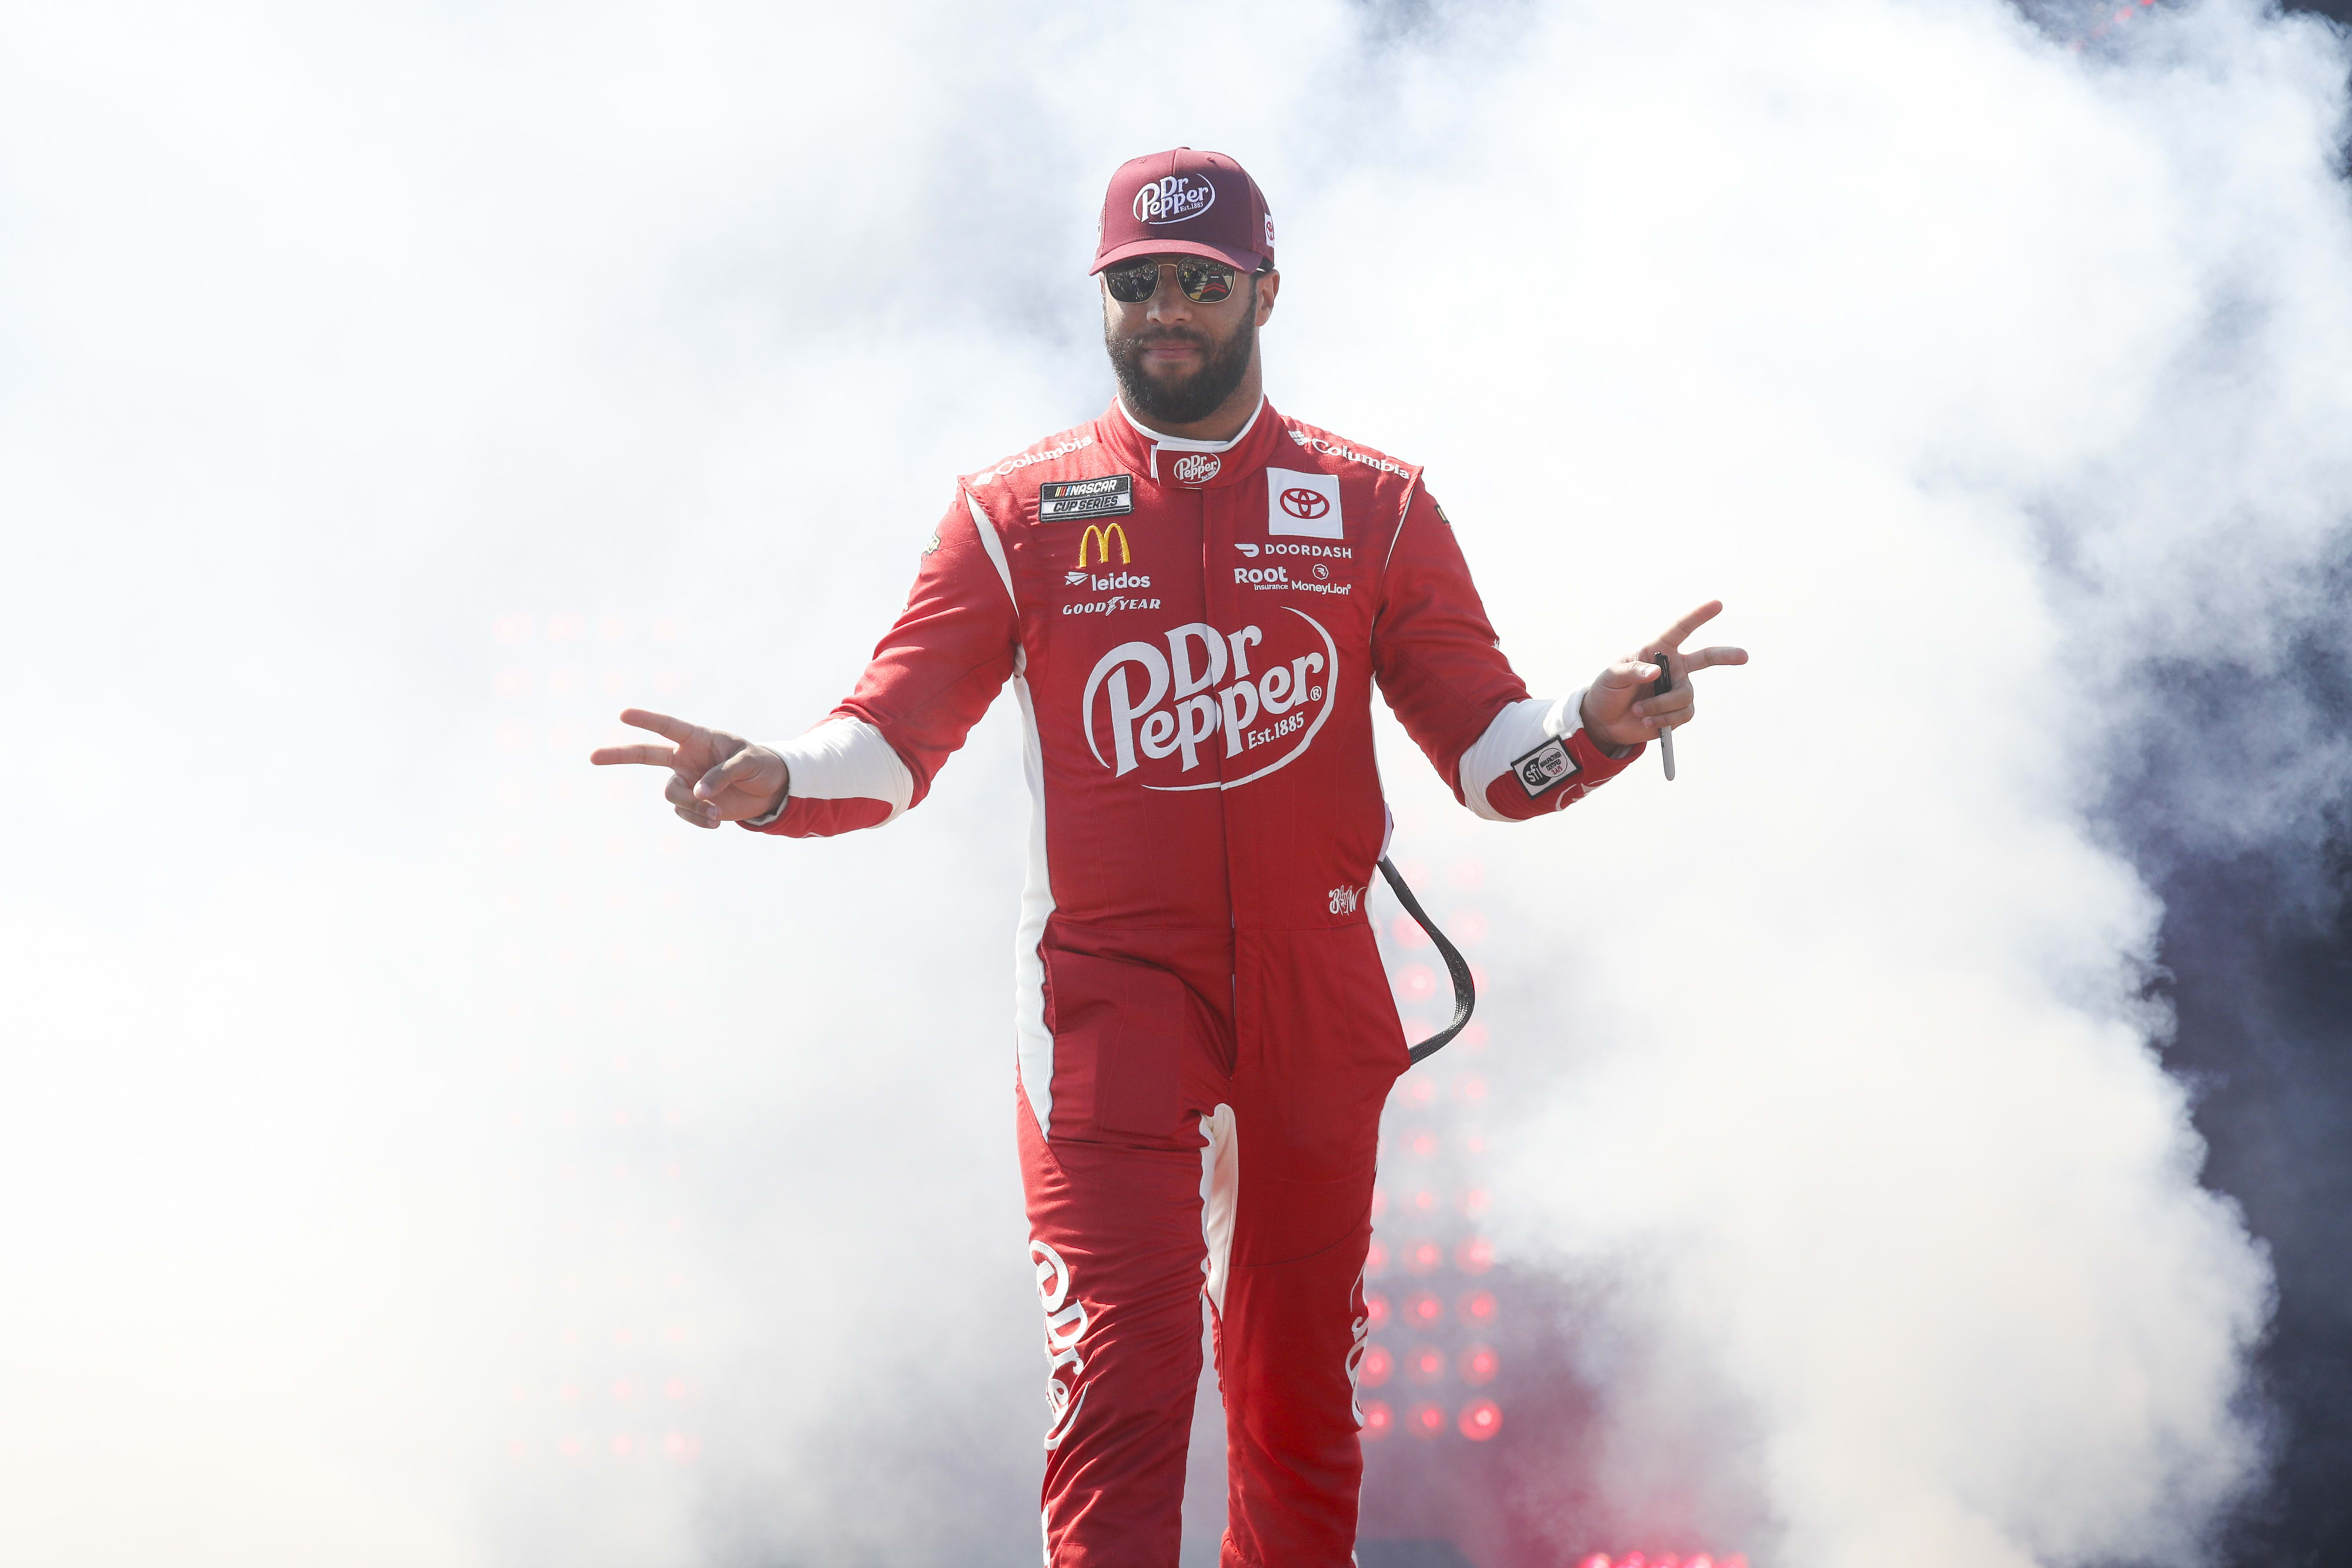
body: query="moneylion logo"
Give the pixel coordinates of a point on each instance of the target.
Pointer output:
(1296, 696)
(1174, 198)
(1099, 537)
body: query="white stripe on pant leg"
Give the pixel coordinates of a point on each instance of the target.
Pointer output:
(1033, 1042)
(1220, 1178)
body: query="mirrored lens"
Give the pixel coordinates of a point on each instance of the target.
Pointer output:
(1132, 282)
(1204, 282)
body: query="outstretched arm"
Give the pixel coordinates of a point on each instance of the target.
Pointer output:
(935, 673)
(1509, 757)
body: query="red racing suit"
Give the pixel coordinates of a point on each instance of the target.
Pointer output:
(1204, 1031)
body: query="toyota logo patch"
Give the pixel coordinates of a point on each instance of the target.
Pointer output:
(1301, 502)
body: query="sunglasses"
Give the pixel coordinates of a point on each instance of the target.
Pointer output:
(1204, 282)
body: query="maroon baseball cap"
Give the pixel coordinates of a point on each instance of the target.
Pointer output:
(1185, 203)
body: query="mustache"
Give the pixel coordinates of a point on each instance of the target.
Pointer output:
(1168, 335)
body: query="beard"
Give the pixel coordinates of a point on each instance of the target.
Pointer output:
(1196, 396)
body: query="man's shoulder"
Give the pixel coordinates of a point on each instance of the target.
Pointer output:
(1342, 456)
(1048, 455)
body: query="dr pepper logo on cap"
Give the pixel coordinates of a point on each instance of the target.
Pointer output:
(1183, 202)
(1173, 199)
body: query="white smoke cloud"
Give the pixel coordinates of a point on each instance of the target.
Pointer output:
(392, 394)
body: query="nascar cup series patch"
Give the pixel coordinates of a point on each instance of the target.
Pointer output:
(1111, 495)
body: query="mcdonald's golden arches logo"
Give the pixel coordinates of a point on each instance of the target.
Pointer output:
(1099, 537)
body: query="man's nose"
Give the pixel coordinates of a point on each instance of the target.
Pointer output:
(1169, 305)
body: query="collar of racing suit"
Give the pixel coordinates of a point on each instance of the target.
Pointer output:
(1141, 444)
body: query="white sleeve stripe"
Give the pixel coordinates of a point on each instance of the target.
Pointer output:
(1518, 729)
(847, 759)
(992, 544)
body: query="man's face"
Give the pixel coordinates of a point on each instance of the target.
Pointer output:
(1177, 361)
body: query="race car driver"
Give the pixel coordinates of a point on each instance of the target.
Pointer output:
(1192, 596)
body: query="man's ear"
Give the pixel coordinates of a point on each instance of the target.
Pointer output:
(1269, 284)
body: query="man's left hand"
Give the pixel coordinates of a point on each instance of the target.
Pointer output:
(1618, 708)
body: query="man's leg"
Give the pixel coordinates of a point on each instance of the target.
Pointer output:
(1116, 1238)
(1289, 1338)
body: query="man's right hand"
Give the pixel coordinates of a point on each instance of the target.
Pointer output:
(715, 776)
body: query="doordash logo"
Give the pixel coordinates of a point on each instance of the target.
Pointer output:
(1183, 705)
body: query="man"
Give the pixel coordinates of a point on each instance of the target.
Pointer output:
(1192, 596)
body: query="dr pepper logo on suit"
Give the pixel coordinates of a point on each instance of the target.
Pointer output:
(1174, 198)
(1261, 697)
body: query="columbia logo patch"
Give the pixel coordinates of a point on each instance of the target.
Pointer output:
(1544, 767)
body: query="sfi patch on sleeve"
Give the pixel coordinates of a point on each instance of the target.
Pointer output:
(1111, 495)
(1544, 767)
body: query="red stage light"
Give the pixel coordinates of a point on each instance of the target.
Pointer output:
(1426, 1365)
(1404, 928)
(1428, 1421)
(1474, 1256)
(1477, 1201)
(1376, 1259)
(1376, 1308)
(1479, 1365)
(1422, 1090)
(1481, 1419)
(1377, 1419)
(1416, 982)
(1423, 1257)
(1374, 1369)
(1479, 1306)
(1425, 1309)
(1473, 1089)
(1422, 1144)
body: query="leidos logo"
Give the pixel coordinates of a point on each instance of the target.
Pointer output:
(1195, 468)
(1174, 198)
(1297, 694)
(1097, 539)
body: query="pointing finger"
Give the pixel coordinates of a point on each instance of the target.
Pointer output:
(1671, 638)
(651, 756)
(661, 723)
(1702, 658)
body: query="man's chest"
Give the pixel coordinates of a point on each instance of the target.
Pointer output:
(1192, 637)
